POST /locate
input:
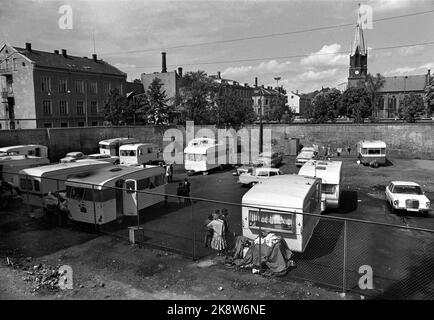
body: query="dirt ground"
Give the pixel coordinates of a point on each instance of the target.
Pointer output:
(106, 267)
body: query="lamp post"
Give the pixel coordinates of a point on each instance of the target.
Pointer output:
(85, 101)
(260, 126)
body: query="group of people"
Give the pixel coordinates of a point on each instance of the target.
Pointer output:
(169, 171)
(183, 191)
(217, 231)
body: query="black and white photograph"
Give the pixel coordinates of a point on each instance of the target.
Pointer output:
(217, 155)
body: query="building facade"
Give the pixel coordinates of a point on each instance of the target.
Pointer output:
(244, 92)
(54, 89)
(267, 99)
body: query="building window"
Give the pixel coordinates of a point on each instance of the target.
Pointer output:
(79, 86)
(80, 107)
(93, 87)
(63, 107)
(15, 63)
(45, 84)
(93, 107)
(48, 125)
(94, 123)
(63, 85)
(64, 124)
(46, 106)
(81, 124)
(107, 87)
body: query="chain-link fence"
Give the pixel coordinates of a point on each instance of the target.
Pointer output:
(374, 259)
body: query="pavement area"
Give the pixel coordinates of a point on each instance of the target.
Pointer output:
(107, 267)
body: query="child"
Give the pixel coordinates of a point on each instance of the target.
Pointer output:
(208, 231)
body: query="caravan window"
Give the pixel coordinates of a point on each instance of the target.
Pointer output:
(130, 186)
(328, 188)
(159, 180)
(79, 194)
(140, 152)
(124, 153)
(374, 151)
(273, 173)
(272, 220)
(36, 185)
(26, 184)
(143, 184)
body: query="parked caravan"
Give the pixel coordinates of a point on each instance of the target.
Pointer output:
(114, 192)
(35, 150)
(202, 155)
(263, 207)
(35, 183)
(111, 146)
(370, 151)
(139, 154)
(330, 173)
(10, 166)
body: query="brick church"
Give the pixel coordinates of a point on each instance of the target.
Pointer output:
(394, 89)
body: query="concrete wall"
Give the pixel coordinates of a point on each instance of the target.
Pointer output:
(403, 140)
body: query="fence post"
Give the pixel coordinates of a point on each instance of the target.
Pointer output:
(58, 204)
(344, 271)
(94, 208)
(194, 231)
(137, 212)
(260, 239)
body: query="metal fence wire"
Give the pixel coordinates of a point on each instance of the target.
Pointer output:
(341, 254)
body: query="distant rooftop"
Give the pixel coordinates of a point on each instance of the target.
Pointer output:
(405, 83)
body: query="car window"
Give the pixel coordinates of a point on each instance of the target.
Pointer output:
(273, 173)
(408, 190)
(262, 174)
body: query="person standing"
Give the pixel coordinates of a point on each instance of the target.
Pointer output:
(209, 232)
(187, 190)
(217, 241)
(169, 173)
(227, 234)
(180, 193)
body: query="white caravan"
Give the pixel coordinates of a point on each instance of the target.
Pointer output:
(369, 151)
(35, 150)
(111, 146)
(330, 173)
(10, 166)
(139, 154)
(273, 205)
(202, 155)
(115, 192)
(35, 183)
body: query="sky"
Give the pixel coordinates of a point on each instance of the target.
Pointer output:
(131, 34)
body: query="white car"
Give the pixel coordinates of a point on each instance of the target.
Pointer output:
(258, 175)
(73, 156)
(304, 156)
(406, 195)
(269, 159)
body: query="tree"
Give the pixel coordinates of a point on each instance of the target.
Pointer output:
(373, 84)
(429, 98)
(355, 103)
(229, 108)
(196, 97)
(116, 108)
(325, 106)
(153, 105)
(411, 107)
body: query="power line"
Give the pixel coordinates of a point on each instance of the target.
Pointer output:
(268, 35)
(285, 57)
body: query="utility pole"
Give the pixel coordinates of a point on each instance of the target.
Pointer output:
(260, 126)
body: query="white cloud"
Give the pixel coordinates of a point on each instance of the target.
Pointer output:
(411, 51)
(320, 75)
(406, 70)
(271, 66)
(327, 56)
(389, 5)
(125, 66)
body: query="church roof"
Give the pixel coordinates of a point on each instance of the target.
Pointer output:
(404, 83)
(359, 39)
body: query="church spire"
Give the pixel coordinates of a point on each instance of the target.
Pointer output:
(359, 39)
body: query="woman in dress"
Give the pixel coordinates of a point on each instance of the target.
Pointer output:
(218, 241)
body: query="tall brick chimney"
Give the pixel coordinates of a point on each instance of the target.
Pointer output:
(219, 75)
(64, 53)
(163, 62)
(28, 46)
(256, 82)
(180, 72)
(94, 57)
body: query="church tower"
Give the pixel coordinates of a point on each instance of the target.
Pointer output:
(358, 57)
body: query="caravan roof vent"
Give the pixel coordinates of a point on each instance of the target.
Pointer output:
(115, 169)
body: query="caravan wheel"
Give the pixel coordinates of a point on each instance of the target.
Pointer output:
(205, 173)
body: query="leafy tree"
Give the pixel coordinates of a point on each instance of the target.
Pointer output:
(355, 103)
(116, 108)
(325, 106)
(289, 116)
(153, 105)
(197, 97)
(411, 107)
(230, 109)
(373, 84)
(429, 98)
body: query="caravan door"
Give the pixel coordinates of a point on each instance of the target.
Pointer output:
(130, 197)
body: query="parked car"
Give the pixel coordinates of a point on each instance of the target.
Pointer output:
(73, 156)
(304, 156)
(258, 175)
(104, 157)
(269, 159)
(406, 195)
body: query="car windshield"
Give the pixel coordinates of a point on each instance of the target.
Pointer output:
(305, 155)
(408, 190)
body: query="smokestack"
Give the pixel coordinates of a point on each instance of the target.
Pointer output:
(94, 57)
(256, 82)
(219, 75)
(163, 62)
(28, 46)
(64, 53)
(180, 72)
(56, 51)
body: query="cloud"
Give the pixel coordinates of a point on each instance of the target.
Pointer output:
(389, 5)
(125, 66)
(411, 51)
(320, 75)
(327, 56)
(271, 66)
(406, 70)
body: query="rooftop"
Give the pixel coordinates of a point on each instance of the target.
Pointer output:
(405, 83)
